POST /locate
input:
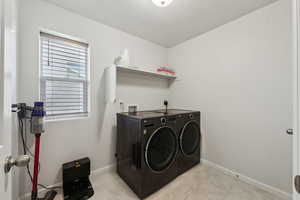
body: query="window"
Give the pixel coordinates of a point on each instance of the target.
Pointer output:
(64, 75)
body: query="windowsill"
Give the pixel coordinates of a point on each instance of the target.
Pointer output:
(67, 117)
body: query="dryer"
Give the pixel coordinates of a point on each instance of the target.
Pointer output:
(188, 125)
(147, 147)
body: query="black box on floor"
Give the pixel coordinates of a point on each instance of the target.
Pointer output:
(76, 183)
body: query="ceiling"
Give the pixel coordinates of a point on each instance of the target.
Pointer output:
(182, 20)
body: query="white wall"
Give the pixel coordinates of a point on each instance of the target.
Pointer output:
(94, 136)
(240, 77)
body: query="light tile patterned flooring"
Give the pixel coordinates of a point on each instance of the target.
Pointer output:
(200, 183)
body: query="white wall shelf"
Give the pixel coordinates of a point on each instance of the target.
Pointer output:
(111, 79)
(145, 72)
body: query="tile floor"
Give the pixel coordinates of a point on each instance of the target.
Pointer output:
(200, 183)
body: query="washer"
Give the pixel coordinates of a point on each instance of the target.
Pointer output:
(189, 141)
(147, 150)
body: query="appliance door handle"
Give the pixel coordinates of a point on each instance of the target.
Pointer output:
(136, 155)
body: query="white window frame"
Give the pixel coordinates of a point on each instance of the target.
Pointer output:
(75, 39)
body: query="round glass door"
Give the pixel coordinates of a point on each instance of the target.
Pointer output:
(161, 149)
(190, 138)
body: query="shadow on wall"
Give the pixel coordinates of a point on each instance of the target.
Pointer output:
(102, 104)
(147, 92)
(114, 146)
(125, 79)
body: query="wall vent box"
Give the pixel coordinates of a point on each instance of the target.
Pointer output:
(76, 183)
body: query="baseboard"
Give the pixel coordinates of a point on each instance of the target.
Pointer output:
(251, 181)
(103, 170)
(94, 174)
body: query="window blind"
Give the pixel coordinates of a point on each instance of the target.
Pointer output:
(64, 75)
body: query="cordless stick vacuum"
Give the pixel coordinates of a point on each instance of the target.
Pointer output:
(37, 128)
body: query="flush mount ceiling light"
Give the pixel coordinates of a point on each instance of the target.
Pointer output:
(162, 3)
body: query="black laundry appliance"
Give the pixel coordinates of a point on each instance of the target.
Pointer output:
(147, 147)
(188, 126)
